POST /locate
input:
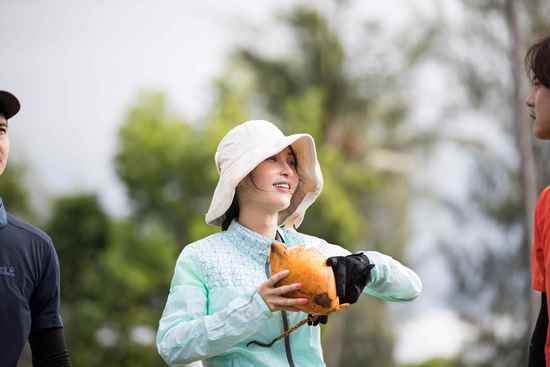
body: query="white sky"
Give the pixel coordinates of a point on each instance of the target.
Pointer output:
(77, 66)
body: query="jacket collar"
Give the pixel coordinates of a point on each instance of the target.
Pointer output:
(254, 244)
(3, 214)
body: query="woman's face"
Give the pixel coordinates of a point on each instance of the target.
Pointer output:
(271, 184)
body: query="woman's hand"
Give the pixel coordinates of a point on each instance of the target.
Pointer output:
(272, 295)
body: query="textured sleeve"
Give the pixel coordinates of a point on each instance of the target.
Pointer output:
(186, 333)
(390, 280)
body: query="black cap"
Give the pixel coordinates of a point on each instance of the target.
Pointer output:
(9, 104)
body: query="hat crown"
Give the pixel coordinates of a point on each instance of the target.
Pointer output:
(244, 138)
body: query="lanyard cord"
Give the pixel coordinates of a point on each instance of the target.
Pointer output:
(287, 331)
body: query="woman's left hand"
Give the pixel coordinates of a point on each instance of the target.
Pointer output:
(273, 296)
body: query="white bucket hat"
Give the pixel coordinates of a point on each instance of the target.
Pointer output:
(243, 148)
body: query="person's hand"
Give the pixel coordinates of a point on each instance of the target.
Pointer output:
(273, 296)
(351, 273)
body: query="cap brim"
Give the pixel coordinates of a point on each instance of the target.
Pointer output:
(9, 104)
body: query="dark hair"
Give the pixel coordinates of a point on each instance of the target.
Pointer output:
(231, 213)
(537, 61)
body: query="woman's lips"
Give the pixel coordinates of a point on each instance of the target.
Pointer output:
(282, 189)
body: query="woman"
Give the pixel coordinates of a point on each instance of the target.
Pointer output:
(220, 299)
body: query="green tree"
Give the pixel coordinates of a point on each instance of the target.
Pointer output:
(80, 230)
(13, 191)
(162, 162)
(136, 272)
(114, 277)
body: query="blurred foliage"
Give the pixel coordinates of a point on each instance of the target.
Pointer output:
(80, 230)
(114, 276)
(161, 161)
(435, 362)
(14, 193)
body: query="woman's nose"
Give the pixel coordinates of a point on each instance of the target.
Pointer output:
(286, 169)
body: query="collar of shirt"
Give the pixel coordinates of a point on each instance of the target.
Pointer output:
(253, 243)
(3, 214)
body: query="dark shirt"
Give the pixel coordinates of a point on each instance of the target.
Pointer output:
(29, 285)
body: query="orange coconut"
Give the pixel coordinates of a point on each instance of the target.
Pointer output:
(307, 265)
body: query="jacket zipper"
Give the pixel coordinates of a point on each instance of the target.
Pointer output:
(288, 351)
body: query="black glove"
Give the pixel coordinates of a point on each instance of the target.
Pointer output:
(321, 319)
(352, 273)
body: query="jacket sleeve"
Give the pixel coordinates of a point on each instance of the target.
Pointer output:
(390, 280)
(186, 333)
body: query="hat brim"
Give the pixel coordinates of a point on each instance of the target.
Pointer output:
(309, 187)
(9, 104)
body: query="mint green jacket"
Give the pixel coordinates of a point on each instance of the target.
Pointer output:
(214, 309)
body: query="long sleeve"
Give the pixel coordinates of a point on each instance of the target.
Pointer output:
(538, 338)
(49, 349)
(390, 280)
(186, 333)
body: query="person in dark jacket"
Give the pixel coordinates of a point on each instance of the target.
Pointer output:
(29, 279)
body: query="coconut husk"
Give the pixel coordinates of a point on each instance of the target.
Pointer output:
(306, 265)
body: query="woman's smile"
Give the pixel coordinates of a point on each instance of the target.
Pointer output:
(283, 187)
